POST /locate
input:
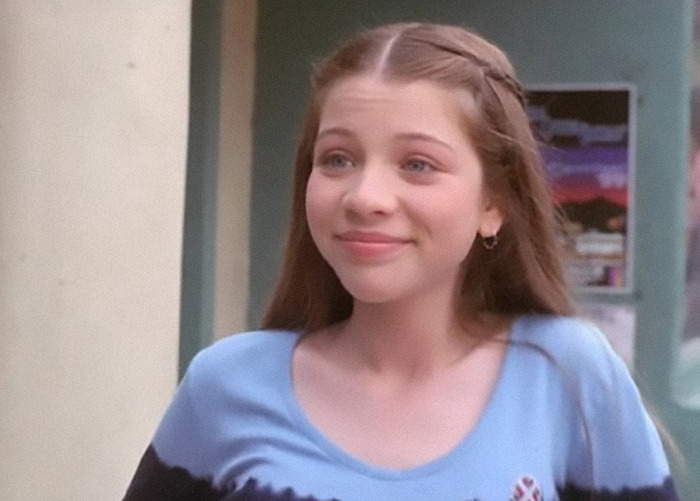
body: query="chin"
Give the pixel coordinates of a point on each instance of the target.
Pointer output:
(370, 293)
(371, 296)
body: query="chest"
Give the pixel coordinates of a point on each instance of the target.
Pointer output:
(394, 423)
(416, 447)
(488, 465)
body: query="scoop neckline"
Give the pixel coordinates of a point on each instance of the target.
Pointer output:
(328, 446)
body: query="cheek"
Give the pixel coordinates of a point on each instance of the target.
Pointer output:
(317, 206)
(457, 221)
(463, 208)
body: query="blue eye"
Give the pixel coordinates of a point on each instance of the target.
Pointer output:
(419, 166)
(337, 161)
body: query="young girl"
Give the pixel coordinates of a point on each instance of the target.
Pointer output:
(418, 345)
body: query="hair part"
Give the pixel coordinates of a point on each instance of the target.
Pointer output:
(523, 274)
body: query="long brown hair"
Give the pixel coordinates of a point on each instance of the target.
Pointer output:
(523, 272)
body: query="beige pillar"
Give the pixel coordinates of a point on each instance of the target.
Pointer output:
(235, 159)
(93, 136)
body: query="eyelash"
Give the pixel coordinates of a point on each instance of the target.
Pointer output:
(426, 166)
(329, 159)
(338, 160)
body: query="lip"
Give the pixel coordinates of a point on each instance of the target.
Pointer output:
(370, 244)
(370, 237)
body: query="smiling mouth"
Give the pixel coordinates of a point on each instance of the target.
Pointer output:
(370, 238)
(368, 245)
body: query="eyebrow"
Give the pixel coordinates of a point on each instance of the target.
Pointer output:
(406, 136)
(333, 130)
(412, 136)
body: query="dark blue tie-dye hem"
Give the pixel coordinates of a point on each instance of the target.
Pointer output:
(251, 491)
(664, 492)
(156, 481)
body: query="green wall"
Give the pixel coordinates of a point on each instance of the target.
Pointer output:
(199, 231)
(645, 42)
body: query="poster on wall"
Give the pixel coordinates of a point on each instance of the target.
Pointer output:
(587, 138)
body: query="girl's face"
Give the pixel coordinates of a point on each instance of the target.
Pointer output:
(395, 199)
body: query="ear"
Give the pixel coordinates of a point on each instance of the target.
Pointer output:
(491, 220)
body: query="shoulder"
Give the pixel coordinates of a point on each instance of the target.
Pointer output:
(579, 355)
(241, 356)
(245, 344)
(569, 342)
(219, 394)
(234, 372)
(612, 425)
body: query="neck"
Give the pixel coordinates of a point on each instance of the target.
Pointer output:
(410, 339)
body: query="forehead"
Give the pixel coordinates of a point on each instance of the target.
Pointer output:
(418, 106)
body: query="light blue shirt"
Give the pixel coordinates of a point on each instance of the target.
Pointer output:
(564, 418)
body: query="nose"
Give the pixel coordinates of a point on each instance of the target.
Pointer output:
(371, 192)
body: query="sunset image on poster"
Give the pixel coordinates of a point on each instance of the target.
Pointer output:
(586, 139)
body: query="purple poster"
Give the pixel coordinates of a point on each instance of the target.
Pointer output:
(587, 137)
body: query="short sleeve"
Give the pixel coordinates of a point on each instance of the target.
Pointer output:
(179, 438)
(617, 449)
(176, 463)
